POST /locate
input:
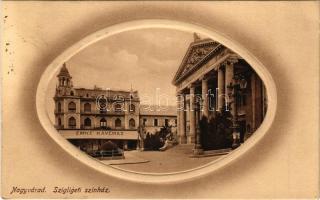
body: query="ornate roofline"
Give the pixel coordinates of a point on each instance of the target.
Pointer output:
(64, 72)
(205, 42)
(104, 90)
(200, 43)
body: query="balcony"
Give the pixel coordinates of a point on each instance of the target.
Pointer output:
(58, 127)
(102, 128)
(72, 110)
(56, 111)
(85, 127)
(72, 127)
(98, 112)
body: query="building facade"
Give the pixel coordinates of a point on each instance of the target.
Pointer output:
(90, 117)
(220, 79)
(154, 119)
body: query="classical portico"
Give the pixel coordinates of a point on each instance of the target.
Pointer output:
(206, 77)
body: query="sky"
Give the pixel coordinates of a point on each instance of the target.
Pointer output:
(145, 59)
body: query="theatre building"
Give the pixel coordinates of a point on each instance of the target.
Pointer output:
(88, 118)
(221, 79)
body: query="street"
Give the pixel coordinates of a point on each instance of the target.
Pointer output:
(173, 160)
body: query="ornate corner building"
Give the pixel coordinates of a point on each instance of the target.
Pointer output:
(90, 117)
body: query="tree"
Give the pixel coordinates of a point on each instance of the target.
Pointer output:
(147, 142)
(155, 141)
(217, 133)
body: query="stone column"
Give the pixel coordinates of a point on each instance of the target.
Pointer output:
(198, 147)
(232, 99)
(182, 120)
(229, 81)
(178, 115)
(126, 115)
(253, 100)
(220, 92)
(191, 136)
(205, 103)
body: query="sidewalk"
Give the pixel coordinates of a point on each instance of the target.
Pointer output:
(172, 160)
(130, 158)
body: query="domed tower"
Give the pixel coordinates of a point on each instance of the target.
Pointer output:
(65, 87)
(67, 104)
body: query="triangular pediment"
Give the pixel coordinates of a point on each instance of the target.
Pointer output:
(195, 54)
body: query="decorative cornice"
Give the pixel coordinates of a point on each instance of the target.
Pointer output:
(193, 45)
(205, 77)
(192, 85)
(216, 50)
(232, 59)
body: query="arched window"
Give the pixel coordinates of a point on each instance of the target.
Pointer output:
(118, 123)
(103, 123)
(59, 121)
(72, 122)
(87, 107)
(72, 107)
(59, 107)
(72, 93)
(132, 123)
(87, 122)
(132, 108)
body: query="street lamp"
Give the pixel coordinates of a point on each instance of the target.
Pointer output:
(198, 147)
(234, 89)
(141, 131)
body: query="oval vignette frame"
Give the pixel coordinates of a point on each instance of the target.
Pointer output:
(155, 177)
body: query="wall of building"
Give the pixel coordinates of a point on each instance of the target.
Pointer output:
(150, 123)
(125, 115)
(131, 113)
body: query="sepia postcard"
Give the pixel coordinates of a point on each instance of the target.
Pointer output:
(160, 99)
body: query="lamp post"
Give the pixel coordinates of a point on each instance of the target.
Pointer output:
(198, 147)
(234, 89)
(141, 131)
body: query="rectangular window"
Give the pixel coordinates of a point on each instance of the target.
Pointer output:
(144, 121)
(155, 123)
(103, 124)
(166, 122)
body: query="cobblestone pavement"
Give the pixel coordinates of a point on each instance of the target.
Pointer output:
(172, 160)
